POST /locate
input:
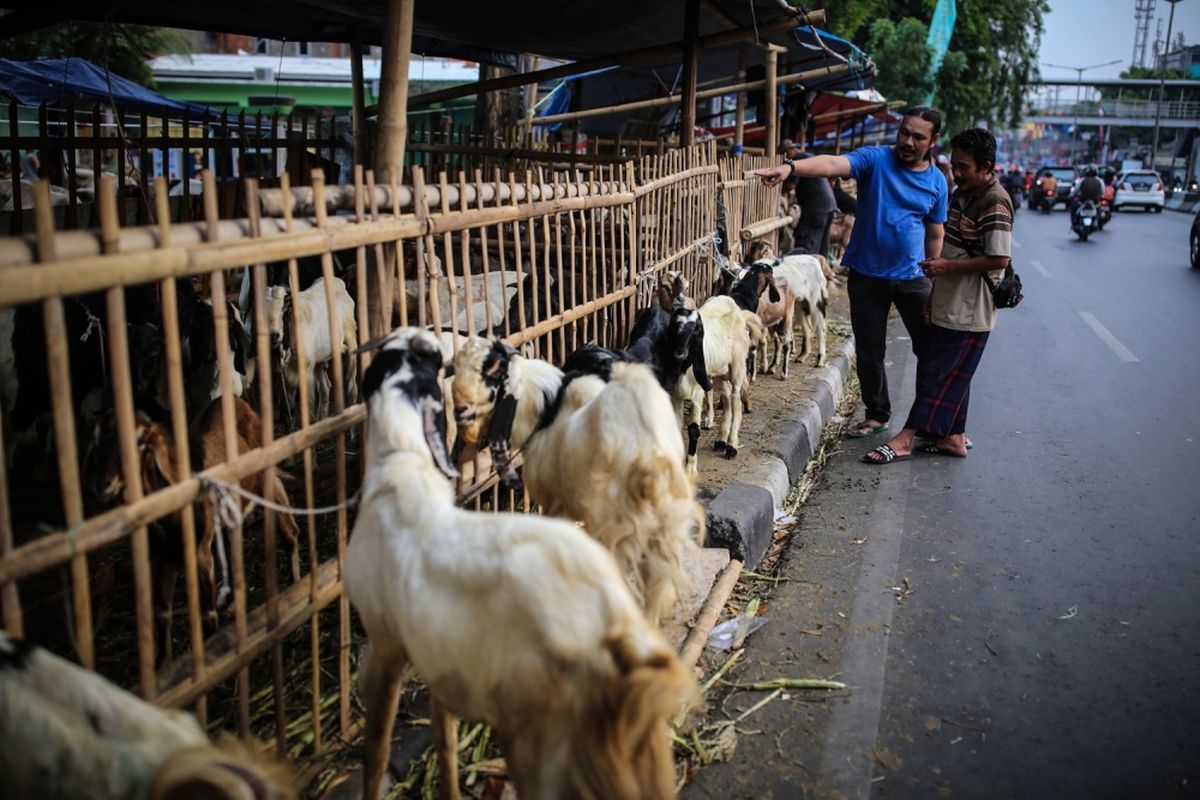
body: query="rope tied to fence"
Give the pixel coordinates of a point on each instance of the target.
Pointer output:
(227, 512)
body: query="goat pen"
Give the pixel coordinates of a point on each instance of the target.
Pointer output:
(547, 258)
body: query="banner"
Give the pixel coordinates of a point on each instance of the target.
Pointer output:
(941, 28)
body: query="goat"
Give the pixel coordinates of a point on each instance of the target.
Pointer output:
(69, 733)
(671, 291)
(726, 349)
(520, 621)
(839, 234)
(158, 460)
(310, 317)
(799, 280)
(630, 490)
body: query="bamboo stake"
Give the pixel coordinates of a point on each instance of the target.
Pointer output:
(122, 394)
(229, 431)
(58, 361)
(10, 598)
(335, 336)
(384, 252)
(693, 644)
(448, 266)
(309, 489)
(267, 419)
(464, 243)
(487, 278)
(179, 429)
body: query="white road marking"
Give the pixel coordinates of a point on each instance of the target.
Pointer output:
(1039, 267)
(1122, 352)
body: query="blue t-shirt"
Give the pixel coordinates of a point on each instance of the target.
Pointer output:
(894, 203)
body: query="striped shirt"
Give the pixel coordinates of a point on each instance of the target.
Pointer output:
(979, 224)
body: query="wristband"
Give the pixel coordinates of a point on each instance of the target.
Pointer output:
(791, 165)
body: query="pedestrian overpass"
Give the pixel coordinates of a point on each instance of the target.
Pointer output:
(1067, 102)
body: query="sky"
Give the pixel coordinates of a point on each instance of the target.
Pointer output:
(1080, 33)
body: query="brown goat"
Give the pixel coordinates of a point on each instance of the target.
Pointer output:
(159, 468)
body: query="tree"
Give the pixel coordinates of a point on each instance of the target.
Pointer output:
(991, 61)
(124, 49)
(907, 58)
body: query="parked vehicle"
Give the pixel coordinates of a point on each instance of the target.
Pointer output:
(1142, 188)
(1196, 241)
(1085, 220)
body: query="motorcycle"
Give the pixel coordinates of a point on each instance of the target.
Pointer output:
(1042, 199)
(1103, 213)
(1085, 220)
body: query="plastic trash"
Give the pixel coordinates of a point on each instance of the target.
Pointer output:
(723, 635)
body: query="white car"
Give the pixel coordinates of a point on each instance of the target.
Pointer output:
(1139, 187)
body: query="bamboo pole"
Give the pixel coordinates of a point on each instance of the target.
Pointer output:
(229, 433)
(693, 643)
(657, 54)
(131, 467)
(621, 108)
(262, 340)
(771, 95)
(393, 88)
(759, 229)
(58, 360)
(739, 124)
(691, 50)
(339, 464)
(358, 114)
(179, 430)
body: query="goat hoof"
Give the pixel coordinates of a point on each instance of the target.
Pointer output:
(719, 447)
(730, 451)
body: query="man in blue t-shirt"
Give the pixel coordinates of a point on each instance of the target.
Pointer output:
(902, 201)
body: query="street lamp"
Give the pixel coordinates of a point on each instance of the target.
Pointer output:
(1161, 86)
(1078, 86)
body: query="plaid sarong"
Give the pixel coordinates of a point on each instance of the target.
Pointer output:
(944, 372)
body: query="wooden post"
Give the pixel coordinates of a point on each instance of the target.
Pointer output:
(691, 49)
(770, 132)
(359, 112)
(393, 89)
(739, 125)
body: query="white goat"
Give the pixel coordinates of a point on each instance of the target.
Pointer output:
(310, 317)
(68, 732)
(726, 348)
(519, 621)
(800, 282)
(607, 454)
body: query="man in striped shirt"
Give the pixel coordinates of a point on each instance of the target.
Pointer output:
(978, 240)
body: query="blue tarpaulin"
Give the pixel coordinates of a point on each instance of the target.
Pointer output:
(55, 81)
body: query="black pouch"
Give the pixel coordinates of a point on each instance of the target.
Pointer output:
(1006, 293)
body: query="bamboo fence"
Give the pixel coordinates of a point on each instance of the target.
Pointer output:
(455, 251)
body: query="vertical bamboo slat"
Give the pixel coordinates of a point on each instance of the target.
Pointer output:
(335, 336)
(64, 426)
(122, 381)
(179, 428)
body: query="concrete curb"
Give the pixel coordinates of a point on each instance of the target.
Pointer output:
(741, 517)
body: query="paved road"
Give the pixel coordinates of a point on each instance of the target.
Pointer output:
(1045, 638)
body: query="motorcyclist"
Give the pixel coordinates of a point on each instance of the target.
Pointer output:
(1090, 188)
(1047, 189)
(1012, 183)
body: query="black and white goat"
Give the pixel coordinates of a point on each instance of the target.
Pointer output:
(69, 733)
(601, 450)
(523, 622)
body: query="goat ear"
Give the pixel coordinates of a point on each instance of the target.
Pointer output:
(434, 418)
(773, 292)
(696, 356)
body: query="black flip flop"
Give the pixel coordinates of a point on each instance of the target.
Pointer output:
(886, 456)
(932, 449)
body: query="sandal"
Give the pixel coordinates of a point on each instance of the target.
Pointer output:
(865, 429)
(884, 454)
(932, 449)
